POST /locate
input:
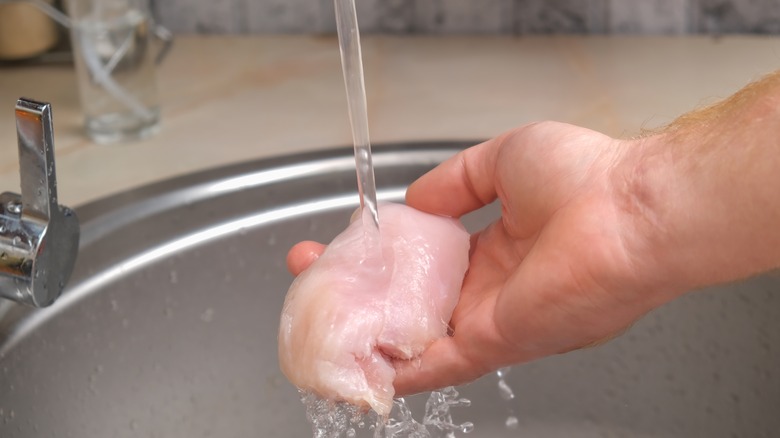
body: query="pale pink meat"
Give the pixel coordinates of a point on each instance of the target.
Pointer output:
(345, 322)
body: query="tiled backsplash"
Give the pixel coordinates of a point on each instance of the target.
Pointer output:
(476, 16)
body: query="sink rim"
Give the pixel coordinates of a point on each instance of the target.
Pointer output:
(103, 217)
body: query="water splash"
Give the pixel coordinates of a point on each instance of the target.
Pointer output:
(329, 419)
(401, 424)
(438, 415)
(336, 420)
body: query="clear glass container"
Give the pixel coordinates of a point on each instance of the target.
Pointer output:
(115, 56)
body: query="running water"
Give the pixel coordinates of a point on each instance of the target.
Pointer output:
(336, 420)
(352, 64)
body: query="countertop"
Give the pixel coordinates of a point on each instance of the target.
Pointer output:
(231, 99)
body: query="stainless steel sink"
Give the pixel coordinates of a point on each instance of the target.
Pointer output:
(168, 326)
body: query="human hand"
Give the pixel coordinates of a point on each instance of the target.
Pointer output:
(595, 232)
(564, 267)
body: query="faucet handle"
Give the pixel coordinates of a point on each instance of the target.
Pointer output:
(38, 237)
(36, 158)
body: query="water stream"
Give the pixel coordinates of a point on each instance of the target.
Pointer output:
(352, 65)
(332, 419)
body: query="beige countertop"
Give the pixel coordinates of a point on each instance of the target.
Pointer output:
(231, 99)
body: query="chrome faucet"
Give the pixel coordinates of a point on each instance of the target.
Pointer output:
(38, 237)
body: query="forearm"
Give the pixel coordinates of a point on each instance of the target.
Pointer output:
(709, 186)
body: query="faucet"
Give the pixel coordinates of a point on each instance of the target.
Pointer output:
(38, 237)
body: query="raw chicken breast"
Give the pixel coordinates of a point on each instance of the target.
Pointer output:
(345, 320)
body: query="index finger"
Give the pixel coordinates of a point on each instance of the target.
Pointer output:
(461, 184)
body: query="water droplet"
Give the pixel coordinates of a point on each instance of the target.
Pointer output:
(14, 207)
(208, 315)
(114, 305)
(351, 433)
(174, 277)
(99, 369)
(125, 323)
(16, 241)
(168, 313)
(462, 403)
(243, 231)
(512, 423)
(467, 427)
(272, 240)
(133, 425)
(505, 391)
(12, 414)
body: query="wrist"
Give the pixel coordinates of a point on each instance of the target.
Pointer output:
(701, 208)
(699, 199)
(647, 190)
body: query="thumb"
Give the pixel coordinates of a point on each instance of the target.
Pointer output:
(459, 185)
(442, 364)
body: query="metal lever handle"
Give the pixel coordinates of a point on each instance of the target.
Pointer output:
(38, 237)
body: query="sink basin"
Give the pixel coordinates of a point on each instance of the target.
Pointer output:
(168, 327)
